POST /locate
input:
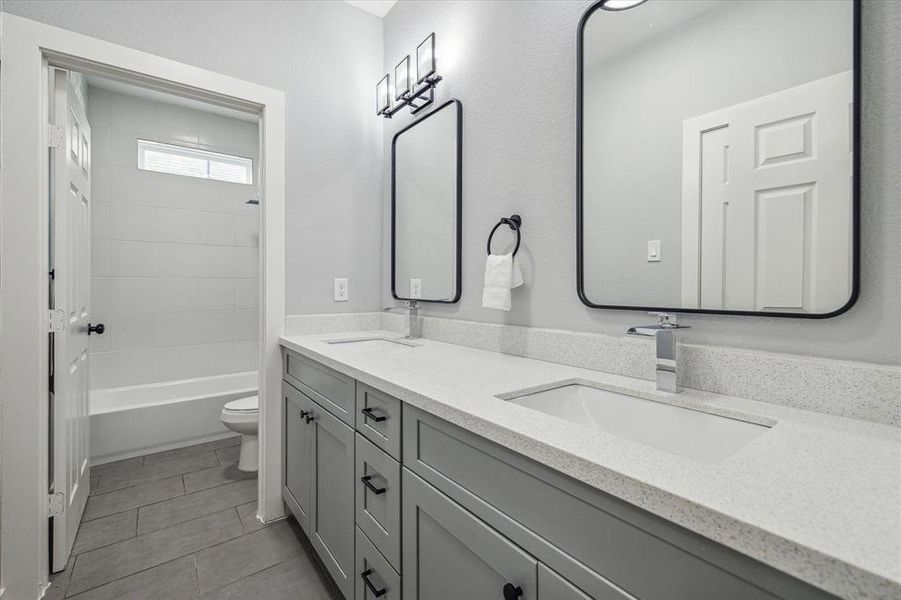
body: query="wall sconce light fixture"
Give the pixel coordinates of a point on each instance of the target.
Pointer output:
(402, 82)
(383, 95)
(416, 95)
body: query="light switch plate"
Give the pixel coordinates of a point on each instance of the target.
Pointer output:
(342, 293)
(653, 250)
(415, 288)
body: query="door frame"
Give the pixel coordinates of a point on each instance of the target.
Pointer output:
(28, 49)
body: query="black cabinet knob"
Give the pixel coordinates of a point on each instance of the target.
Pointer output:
(99, 328)
(308, 418)
(512, 592)
(303, 414)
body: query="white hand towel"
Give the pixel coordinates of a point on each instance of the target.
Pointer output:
(502, 274)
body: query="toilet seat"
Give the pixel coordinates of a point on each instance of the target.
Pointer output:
(243, 405)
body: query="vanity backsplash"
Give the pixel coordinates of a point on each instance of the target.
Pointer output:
(855, 390)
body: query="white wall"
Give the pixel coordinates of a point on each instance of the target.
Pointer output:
(513, 66)
(175, 259)
(327, 57)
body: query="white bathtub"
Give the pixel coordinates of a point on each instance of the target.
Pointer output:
(135, 420)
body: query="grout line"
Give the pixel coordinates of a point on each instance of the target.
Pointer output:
(183, 494)
(123, 577)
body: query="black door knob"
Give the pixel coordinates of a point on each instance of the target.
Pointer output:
(99, 328)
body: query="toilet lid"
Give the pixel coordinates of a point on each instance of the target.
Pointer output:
(244, 404)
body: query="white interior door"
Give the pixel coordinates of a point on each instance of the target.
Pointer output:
(773, 201)
(70, 168)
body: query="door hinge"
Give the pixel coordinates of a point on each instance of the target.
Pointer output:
(56, 318)
(57, 136)
(55, 504)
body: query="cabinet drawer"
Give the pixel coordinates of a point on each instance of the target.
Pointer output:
(331, 389)
(558, 519)
(379, 419)
(450, 554)
(378, 498)
(374, 572)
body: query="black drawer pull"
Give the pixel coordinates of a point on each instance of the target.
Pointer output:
(303, 414)
(375, 592)
(512, 592)
(365, 479)
(368, 412)
(309, 418)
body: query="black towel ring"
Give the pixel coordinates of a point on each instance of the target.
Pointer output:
(514, 223)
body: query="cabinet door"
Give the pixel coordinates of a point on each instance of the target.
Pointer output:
(298, 489)
(449, 554)
(332, 510)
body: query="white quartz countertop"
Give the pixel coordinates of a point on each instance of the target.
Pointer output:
(817, 496)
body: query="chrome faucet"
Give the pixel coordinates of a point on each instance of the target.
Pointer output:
(411, 321)
(664, 332)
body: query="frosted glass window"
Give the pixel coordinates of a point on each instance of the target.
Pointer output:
(177, 160)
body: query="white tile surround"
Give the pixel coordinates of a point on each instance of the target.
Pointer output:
(855, 390)
(174, 259)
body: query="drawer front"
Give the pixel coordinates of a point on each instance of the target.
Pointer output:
(450, 554)
(379, 419)
(378, 498)
(374, 572)
(558, 519)
(331, 389)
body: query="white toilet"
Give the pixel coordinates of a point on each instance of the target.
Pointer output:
(243, 416)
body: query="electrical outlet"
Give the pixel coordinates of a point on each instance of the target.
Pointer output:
(654, 251)
(415, 288)
(342, 292)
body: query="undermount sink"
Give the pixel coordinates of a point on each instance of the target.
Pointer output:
(701, 436)
(378, 340)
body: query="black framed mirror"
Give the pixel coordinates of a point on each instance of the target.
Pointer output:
(427, 207)
(718, 156)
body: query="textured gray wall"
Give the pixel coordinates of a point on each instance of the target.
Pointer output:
(512, 64)
(327, 57)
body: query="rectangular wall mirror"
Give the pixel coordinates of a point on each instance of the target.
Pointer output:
(426, 207)
(718, 156)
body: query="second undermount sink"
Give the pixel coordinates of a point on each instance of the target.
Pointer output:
(701, 436)
(376, 340)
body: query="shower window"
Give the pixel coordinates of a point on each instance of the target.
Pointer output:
(191, 162)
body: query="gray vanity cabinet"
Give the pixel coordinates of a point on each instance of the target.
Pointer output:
(398, 502)
(298, 463)
(331, 528)
(553, 587)
(450, 554)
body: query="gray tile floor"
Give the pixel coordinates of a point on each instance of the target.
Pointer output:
(181, 525)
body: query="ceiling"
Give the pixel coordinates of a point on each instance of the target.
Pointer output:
(378, 8)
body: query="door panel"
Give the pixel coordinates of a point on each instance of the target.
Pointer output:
(767, 202)
(71, 265)
(450, 554)
(298, 454)
(332, 510)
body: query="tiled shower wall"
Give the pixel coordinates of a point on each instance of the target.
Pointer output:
(174, 259)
